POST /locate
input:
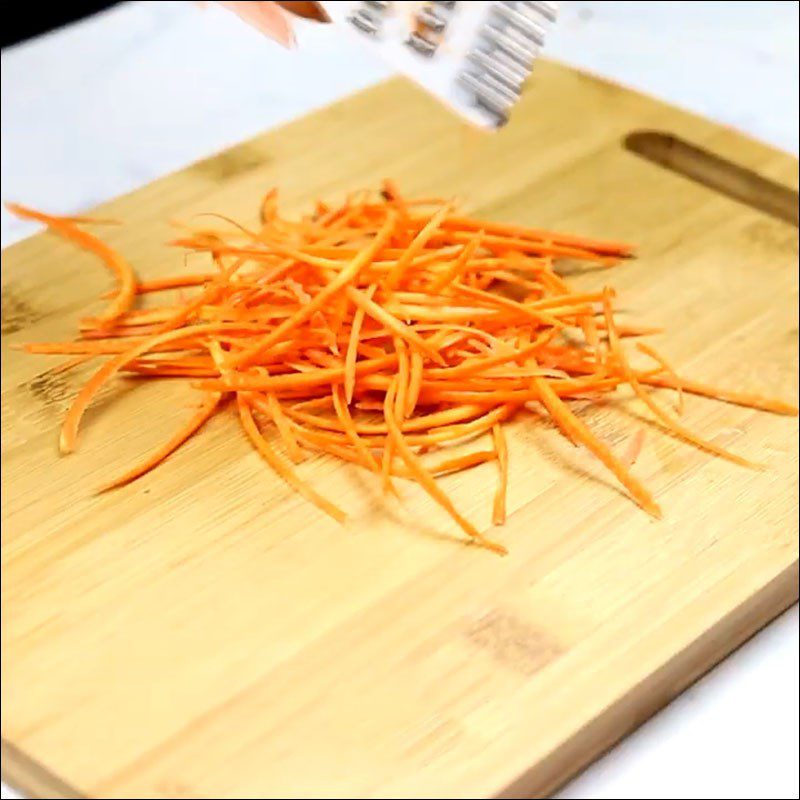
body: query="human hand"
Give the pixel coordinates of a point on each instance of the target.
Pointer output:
(274, 19)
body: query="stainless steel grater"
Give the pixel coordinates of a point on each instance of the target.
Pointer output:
(475, 57)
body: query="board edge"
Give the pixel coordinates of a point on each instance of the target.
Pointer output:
(30, 778)
(647, 698)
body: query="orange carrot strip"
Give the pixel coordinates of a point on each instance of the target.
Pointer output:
(431, 487)
(749, 400)
(422, 238)
(349, 427)
(395, 325)
(559, 410)
(511, 305)
(283, 470)
(526, 246)
(352, 348)
(259, 382)
(453, 272)
(270, 405)
(668, 368)
(69, 430)
(671, 424)
(401, 381)
(501, 451)
(163, 284)
(118, 265)
(414, 383)
(197, 420)
(437, 419)
(460, 463)
(519, 231)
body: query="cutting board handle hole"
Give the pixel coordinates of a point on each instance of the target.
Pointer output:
(715, 173)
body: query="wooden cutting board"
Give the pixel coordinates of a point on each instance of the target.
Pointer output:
(206, 633)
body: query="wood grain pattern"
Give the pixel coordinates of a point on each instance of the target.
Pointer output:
(205, 633)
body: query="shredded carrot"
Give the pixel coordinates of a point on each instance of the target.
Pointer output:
(380, 332)
(423, 476)
(559, 410)
(346, 419)
(645, 348)
(198, 419)
(68, 228)
(273, 409)
(501, 450)
(415, 248)
(414, 382)
(671, 424)
(284, 470)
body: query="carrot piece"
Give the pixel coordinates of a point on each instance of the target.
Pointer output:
(671, 424)
(559, 410)
(511, 305)
(747, 399)
(501, 451)
(431, 487)
(453, 272)
(319, 377)
(403, 374)
(518, 231)
(269, 207)
(118, 265)
(414, 383)
(458, 464)
(164, 284)
(352, 347)
(197, 420)
(422, 238)
(69, 430)
(532, 246)
(668, 368)
(271, 406)
(283, 470)
(395, 325)
(346, 420)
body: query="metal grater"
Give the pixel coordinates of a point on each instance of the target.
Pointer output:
(475, 57)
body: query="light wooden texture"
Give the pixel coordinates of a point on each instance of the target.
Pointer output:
(206, 633)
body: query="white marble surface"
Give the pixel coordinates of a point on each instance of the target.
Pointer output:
(102, 107)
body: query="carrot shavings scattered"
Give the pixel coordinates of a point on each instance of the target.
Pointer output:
(380, 332)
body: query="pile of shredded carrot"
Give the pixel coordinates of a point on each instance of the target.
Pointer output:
(380, 331)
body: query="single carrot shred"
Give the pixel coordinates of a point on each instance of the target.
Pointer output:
(198, 419)
(671, 424)
(283, 470)
(501, 451)
(68, 228)
(650, 351)
(380, 332)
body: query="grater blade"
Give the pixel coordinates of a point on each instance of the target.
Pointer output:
(475, 57)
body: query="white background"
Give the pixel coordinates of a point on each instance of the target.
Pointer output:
(97, 109)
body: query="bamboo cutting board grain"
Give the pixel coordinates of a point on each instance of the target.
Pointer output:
(206, 633)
